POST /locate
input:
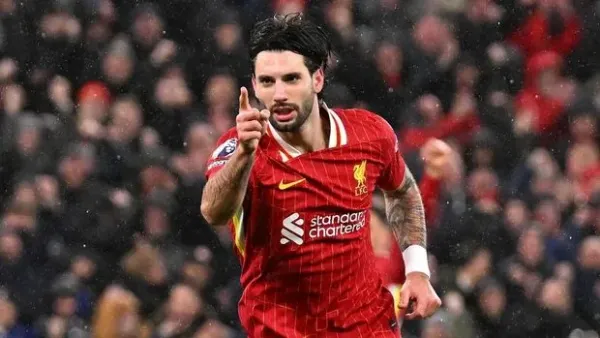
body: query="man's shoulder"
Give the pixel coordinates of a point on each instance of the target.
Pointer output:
(230, 133)
(226, 144)
(365, 122)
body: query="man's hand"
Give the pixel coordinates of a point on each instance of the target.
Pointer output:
(436, 155)
(251, 123)
(418, 290)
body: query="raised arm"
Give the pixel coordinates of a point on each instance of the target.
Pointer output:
(225, 189)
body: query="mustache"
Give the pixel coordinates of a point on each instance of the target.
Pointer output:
(284, 106)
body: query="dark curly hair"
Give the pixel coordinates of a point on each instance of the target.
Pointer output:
(295, 33)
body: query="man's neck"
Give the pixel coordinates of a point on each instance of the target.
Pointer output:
(313, 135)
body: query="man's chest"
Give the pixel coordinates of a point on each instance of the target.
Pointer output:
(322, 198)
(321, 181)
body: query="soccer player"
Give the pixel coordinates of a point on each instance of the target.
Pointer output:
(295, 182)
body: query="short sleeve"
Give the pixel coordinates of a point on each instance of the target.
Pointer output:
(225, 147)
(394, 167)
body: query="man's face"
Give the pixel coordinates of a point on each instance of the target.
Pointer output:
(127, 120)
(531, 247)
(492, 301)
(147, 28)
(548, 77)
(117, 68)
(388, 58)
(285, 86)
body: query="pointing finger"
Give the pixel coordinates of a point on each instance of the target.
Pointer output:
(248, 115)
(244, 101)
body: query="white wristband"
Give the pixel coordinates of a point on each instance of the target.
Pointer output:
(415, 260)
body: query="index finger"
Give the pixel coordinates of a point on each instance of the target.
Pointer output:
(244, 101)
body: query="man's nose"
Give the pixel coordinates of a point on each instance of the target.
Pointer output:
(280, 92)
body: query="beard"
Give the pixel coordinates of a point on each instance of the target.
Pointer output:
(302, 113)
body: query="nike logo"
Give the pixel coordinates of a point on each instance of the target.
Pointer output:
(284, 186)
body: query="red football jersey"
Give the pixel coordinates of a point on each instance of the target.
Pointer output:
(302, 234)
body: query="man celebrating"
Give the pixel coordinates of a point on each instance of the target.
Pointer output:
(295, 183)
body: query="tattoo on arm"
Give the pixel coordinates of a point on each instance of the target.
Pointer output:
(224, 192)
(406, 214)
(227, 183)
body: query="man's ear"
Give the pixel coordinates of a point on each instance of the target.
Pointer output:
(318, 80)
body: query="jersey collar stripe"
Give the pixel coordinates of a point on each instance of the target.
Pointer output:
(333, 131)
(337, 136)
(340, 126)
(286, 147)
(284, 157)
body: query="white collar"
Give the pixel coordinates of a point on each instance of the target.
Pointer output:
(337, 135)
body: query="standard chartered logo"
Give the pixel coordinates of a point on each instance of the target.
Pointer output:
(292, 229)
(321, 226)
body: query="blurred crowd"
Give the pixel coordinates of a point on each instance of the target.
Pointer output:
(110, 110)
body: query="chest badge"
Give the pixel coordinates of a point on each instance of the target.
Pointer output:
(361, 178)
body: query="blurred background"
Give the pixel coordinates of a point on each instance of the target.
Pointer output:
(111, 108)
